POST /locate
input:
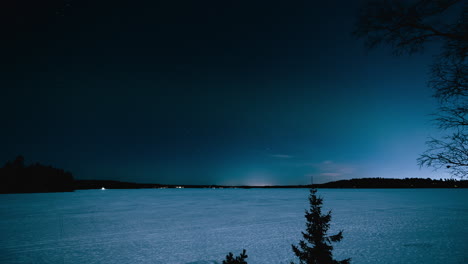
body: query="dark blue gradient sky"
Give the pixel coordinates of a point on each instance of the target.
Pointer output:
(190, 92)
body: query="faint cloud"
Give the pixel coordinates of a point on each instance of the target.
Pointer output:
(332, 174)
(329, 168)
(347, 170)
(282, 156)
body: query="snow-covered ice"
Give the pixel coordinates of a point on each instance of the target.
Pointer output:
(203, 225)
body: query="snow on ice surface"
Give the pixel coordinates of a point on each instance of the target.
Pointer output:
(202, 225)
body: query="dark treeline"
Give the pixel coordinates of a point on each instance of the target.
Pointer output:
(395, 183)
(109, 184)
(16, 177)
(353, 183)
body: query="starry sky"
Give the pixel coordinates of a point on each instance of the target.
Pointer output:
(209, 92)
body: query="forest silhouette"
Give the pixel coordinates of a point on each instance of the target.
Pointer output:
(16, 177)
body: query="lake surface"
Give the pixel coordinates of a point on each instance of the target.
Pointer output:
(203, 225)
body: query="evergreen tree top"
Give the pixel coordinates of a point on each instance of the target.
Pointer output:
(316, 247)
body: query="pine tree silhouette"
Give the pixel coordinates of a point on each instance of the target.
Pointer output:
(316, 246)
(237, 260)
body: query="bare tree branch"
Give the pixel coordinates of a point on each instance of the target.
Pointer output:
(407, 27)
(450, 153)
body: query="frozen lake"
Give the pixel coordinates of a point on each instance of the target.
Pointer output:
(203, 225)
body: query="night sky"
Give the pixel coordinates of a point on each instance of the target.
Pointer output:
(209, 92)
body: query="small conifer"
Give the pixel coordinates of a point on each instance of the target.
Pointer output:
(316, 246)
